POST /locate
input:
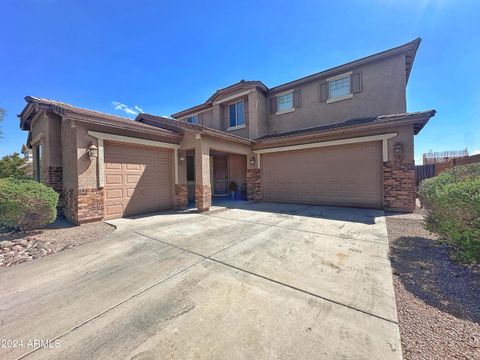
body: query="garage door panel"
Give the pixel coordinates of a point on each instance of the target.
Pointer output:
(113, 165)
(113, 210)
(133, 166)
(114, 179)
(137, 180)
(341, 175)
(132, 179)
(113, 194)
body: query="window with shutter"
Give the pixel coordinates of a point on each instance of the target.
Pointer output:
(284, 102)
(339, 87)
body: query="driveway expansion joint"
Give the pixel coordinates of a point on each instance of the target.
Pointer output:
(210, 257)
(301, 230)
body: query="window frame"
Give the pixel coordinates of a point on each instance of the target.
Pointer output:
(278, 96)
(192, 116)
(237, 125)
(331, 99)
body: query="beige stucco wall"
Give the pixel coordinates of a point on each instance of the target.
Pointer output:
(86, 167)
(383, 92)
(69, 155)
(207, 119)
(238, 169)
(47, 127)
(262, 111)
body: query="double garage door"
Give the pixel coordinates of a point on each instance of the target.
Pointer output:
(347, 175)
(137, 180)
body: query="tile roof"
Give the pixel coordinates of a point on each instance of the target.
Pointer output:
(93, 116)
(421, 115)
(179, 126)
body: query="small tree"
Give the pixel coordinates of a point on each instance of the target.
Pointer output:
(9, 166)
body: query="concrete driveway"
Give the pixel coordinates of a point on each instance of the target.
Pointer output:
(259, 281)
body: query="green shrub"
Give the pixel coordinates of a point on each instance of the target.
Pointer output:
(26, 204)
(452, 200)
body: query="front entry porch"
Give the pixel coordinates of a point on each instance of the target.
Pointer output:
(227, 178)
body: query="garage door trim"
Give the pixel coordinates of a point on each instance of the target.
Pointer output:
(383, 137)
(129, 140)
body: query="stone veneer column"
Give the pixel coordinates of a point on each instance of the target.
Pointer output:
(54, 179)
(181, 196)
(254, 184)
(399, 189)
(83, 205)
(203, 189)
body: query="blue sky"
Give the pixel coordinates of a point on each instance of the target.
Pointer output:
(164, 56)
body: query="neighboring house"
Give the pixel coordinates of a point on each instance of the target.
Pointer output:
(28, 156)
(340, 137)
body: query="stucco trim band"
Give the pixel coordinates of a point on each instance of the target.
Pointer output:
(381, 137)
(130, 140)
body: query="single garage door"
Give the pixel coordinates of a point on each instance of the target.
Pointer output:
(137, 180)
(347, 175)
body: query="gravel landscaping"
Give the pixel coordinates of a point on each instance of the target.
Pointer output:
(17, 247)
(438, 300)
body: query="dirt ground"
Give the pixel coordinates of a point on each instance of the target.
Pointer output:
(438, 300)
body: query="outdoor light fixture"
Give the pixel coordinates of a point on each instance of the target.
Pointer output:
(92, 151)
(181, 158)
(398, 149)
(252, 161)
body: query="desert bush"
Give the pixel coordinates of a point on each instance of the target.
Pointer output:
(452, 201)
(26, 204)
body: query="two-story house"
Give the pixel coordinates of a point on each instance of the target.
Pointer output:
(340, 137)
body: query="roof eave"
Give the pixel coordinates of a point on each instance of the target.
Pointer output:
(208, 104)
(192, 110)
(183, 126)
(410, 46)
(34, 106)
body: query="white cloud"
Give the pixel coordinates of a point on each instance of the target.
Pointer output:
(476, 152)
(127, 109)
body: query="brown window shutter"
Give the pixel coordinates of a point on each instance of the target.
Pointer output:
(323, 92)
(245, 109)
(200, 118)
(273, 105)
(356, 82)
(297, 98)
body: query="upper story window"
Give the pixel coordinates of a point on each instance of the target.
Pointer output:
(285, 102)
(339, 87)
(236, 114)
(193, 119)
